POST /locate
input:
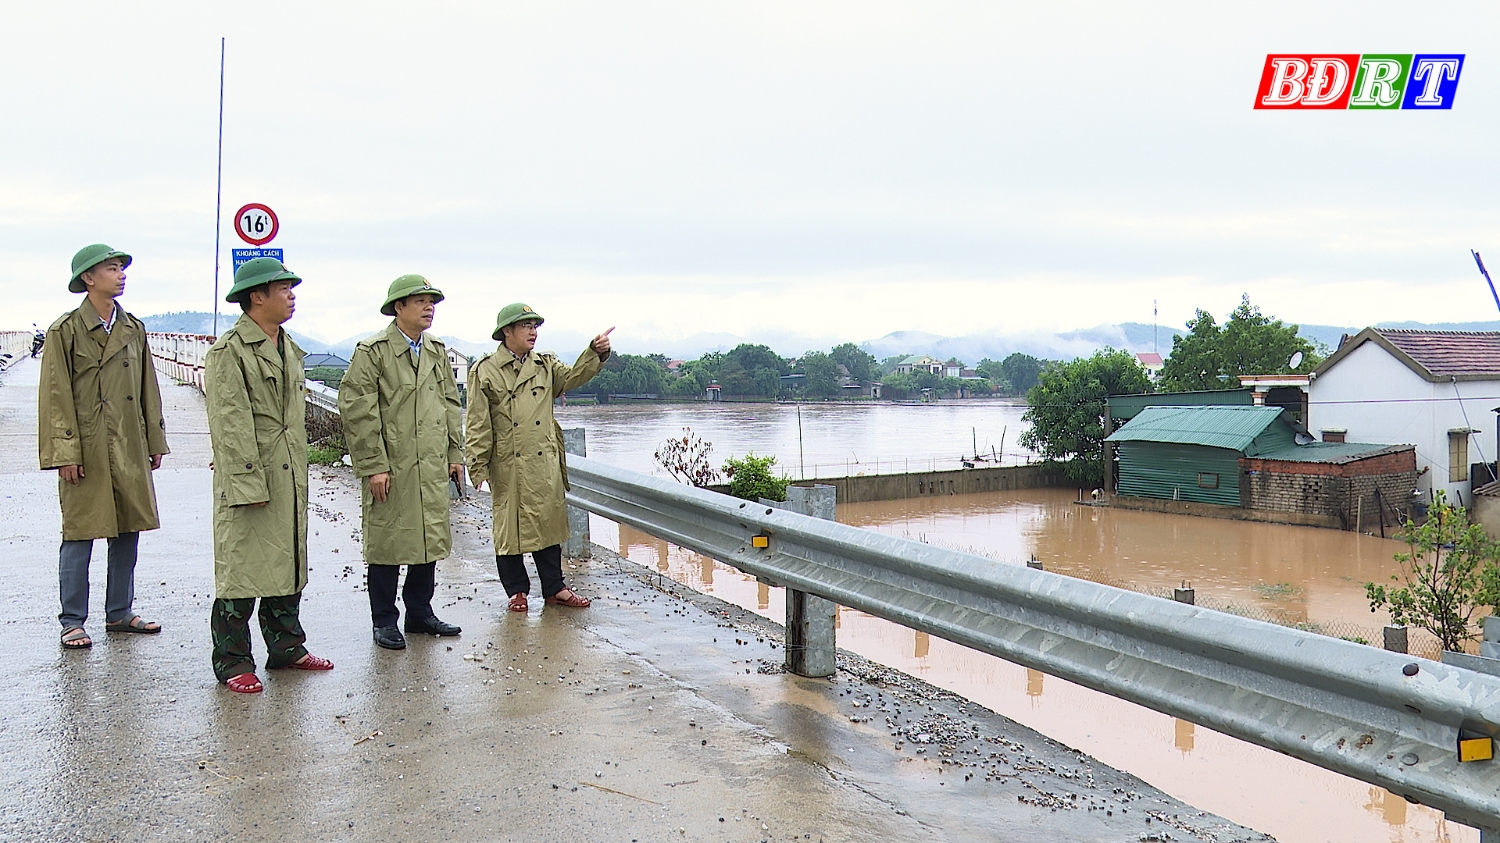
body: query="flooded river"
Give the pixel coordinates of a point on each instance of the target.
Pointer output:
(1293, 575)
(837, 439)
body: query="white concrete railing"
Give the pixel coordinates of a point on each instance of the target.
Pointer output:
(14, 345)
(181, 356)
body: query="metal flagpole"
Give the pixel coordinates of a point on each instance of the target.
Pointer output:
(219, 191)
(1486, 274)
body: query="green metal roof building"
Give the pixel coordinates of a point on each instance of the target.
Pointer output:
(1193, 453)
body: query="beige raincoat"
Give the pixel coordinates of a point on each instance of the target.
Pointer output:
(257, 404)
(513, 442)
(98, 406)
(403, 418)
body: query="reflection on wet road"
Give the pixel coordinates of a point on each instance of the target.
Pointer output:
(1298, 574)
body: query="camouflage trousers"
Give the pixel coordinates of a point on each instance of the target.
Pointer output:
(229, 628)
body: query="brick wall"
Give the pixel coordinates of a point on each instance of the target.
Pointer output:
(1345, 491)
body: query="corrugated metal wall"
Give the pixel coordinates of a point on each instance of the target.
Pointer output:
(1155, 469)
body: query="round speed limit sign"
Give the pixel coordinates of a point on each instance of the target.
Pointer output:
(256, 224)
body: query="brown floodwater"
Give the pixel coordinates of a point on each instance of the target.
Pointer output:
(810, 440)
(1294, 574)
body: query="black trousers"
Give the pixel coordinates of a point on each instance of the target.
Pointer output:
(548, 569)
(421, 581)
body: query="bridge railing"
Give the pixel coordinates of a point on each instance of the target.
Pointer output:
(14, 345)
(180, 356)
(1380, 717)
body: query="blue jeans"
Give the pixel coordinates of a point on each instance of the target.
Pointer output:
(73, 579)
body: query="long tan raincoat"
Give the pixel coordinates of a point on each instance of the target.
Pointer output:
(513, 442)
(99, 406)
(403, 417)
(257, 404)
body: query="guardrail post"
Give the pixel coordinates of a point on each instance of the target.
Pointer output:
(577, 546)
(811, 648)
(1395, 639)
(1186, 594)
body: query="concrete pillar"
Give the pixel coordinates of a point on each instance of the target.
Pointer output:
(1395, 639)
(1490, 646)
(577, 546)
(811, 648)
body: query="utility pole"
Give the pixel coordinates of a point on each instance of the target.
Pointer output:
(219, 190)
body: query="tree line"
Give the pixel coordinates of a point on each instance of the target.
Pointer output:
(755, 371)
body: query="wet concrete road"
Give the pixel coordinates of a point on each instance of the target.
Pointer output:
(651, 716)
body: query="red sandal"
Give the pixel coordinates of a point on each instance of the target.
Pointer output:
(308, 662)
(518, 602)
(245, 683)
(572, 600)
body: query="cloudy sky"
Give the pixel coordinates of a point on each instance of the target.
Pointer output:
(818, 171)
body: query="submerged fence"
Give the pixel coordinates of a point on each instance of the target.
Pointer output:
(1376, 716)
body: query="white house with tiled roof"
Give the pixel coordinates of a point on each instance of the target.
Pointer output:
(1437, 390)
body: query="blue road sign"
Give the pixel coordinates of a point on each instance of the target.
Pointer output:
(243, 256)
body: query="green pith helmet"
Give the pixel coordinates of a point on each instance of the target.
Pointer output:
(258, 271)
(408, 285)
(89, 257)
(511, 314)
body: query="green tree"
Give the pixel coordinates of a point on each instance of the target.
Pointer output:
(754, 357)
(1449, 571)
(1066, 410)
(687, 385)
(1195, 362)
(766, 382)
(822, 374)
(640, 376)
(329, 375)
(1021, 371)
(860, 364)
(899, 385)
(1211, 356)
(751, 478)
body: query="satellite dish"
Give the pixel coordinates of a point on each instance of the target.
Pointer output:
(1295, 361)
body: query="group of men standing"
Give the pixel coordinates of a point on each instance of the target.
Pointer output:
(101, 426)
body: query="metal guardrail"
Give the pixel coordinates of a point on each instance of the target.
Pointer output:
(1383, 718)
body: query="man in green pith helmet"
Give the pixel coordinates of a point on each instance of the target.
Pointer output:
(100, 425)
(512, 441)
(402, 421)
(257, 404)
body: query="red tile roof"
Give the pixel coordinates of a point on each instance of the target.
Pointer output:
(1445, 353)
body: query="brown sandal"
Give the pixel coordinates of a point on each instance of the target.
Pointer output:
(572, 600)
(518, 602)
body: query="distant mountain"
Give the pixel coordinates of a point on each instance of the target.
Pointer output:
(194, 322)
(1129, 336)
